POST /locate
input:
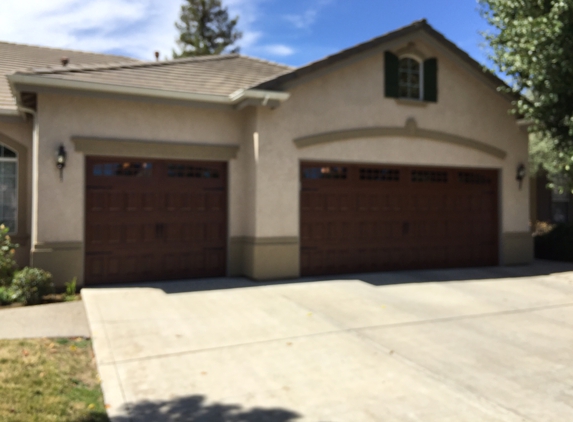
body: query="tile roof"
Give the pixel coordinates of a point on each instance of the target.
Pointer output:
(14, 57)
(214, 75)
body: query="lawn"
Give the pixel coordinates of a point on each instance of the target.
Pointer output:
(49, 380)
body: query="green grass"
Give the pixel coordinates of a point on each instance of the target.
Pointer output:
(49, 380)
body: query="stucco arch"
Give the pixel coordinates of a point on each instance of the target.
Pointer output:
(410, 130)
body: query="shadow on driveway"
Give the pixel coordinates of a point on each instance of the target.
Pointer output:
(538, 268)
(194, 408)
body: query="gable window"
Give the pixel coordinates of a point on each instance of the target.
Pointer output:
(8, 188)
(410, 78)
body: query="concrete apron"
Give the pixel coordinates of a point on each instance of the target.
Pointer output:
(497, 349)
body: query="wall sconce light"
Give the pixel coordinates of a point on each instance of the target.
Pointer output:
(520, 174)
(61, 161)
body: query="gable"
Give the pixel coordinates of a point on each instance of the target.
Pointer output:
(419, 37)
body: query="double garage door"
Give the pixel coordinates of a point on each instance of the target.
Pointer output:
(154, 220)
(361, 218)
(167, 219)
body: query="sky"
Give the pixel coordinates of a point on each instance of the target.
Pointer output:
(293, 32)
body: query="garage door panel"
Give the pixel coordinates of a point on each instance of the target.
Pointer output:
(398, 218)
(154, 220)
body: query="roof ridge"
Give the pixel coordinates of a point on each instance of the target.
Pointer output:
(65, 49)
(266, 61)
(124, 65)
(413, 25)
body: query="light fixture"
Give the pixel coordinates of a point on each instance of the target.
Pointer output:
(61, 161)
(521, 172)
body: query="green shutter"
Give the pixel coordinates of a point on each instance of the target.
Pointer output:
(391, 64)
(431, 80)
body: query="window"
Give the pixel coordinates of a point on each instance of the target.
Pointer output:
(123, 169)
(384, 175)
(8, 188)
(330, 172)
(409, 79)
(194, 172)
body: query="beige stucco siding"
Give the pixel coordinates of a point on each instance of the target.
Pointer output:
(353, 97)
(61, 117)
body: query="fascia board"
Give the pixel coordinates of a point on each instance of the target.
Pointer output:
(258, 94)
(9, 112)
(42, 81)
(62, 84)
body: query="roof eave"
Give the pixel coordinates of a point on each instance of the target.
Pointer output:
(37, 81)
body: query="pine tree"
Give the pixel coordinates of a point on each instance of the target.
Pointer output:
(205, 29)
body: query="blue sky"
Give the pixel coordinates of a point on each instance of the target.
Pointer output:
(294, 32)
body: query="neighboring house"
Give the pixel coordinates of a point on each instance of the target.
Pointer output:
(398, 153)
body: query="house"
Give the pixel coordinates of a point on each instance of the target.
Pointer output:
(398, 153)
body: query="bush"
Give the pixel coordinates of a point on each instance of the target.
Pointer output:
(556, 244)
(31, 284)
(7, 263)
(6, 296)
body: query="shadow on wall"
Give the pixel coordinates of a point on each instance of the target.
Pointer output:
(194, 408)
(538, 268)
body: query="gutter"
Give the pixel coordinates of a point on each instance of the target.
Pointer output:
(261, 97)
(11, 115)
(258, 94)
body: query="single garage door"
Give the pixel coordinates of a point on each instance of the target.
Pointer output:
(154, 219)
(364, 218)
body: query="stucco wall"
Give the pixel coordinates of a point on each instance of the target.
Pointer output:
(61, 117)
(353, 97)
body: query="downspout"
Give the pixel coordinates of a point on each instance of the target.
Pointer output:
(35, 176)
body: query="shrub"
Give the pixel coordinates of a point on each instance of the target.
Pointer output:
(31, 284)
(7, 263)
(71, 290)
(6, 296)
(556, 244)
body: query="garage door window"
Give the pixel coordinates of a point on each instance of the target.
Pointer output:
(328, 172)
(384, 175)
(123, 169)
(194, 172)
(8, 188)
(474, 178)
(430, 176)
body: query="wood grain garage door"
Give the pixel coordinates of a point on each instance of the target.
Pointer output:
(154, 220)
(364, 218)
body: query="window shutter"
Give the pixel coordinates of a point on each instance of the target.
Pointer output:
(391, 64)
(431, 80)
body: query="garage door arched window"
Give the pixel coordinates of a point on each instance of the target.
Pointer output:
(8, 188)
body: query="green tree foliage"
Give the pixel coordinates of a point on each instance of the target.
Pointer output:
(545, 157)
(532, 43)
(205, 29)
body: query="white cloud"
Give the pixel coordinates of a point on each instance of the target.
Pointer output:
(249, 12)
(278, 50)
(306, 19)
(136, 28)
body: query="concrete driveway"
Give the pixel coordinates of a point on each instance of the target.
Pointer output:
(490, 344)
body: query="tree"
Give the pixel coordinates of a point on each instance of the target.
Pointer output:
(532, 43)
(205, 29)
